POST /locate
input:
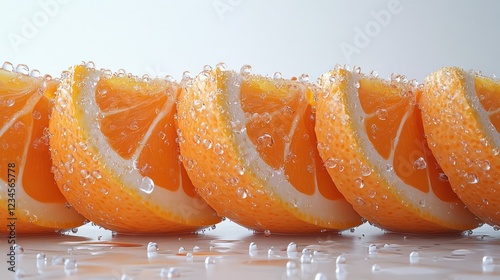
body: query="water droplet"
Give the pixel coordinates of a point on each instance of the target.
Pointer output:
(484, 142)
(207, 143)
(147, 185)
(306, 259)
(267, 233)
(357, 85)
(414, 257)
(419, 163)
(488, 260)
(23, 69)
(70, 264)
(304, 78)
(374, 74)
(330, 163)
(277, 75)
(340, 259)
(359, 201)
(186, 75)
(291, 269)
(152, 247)
(359, 183)
(241, 193)
(270, 252)
(422, 203)
(252, 248)
(246, 69)
(10, 102)
(365, 170)
(372, 248)
(221, 66)
(443, 177)
(375, 268)
(18, 249)
(472, 178)
(181, 250)
(8, 66)
(265, 140)
(210, 260)
(484, 165)
(292, 247)
(382, 114)
(57, 260)
(218, 150)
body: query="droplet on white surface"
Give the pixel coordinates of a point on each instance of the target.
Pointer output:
(152, 247)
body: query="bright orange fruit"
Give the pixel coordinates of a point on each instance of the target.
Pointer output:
(114, 148)
(248, 145)
(461, 113)
(28, 191)
(371, 138)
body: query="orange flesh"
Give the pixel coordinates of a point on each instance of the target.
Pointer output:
(275, 108)
(411, 145)
(128, 107)
(37, 181)
(488, 93)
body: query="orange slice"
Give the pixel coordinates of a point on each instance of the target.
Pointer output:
(114, 147)
(248, 144)
(29, 195)
(371, 138)
(461, 113)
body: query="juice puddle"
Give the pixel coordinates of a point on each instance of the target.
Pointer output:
(231, 252)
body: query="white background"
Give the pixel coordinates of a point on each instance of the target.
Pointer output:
(157, 38)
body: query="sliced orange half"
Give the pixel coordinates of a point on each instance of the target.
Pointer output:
(30, 199)
(248, 145)
(371, 138)
(461, 116)
(114, 148)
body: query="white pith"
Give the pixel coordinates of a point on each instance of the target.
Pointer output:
(483, 116)
(315, 206)
(37, 212)
(415, 198)
(189, 210)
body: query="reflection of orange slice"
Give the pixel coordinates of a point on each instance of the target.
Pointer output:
(25, 103)
(371, 138)
(248, 144)
(114, 147)
(461, 113)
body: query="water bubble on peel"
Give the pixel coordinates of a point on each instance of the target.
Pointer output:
(359, 183)
(414, 257)
(304, 78)
(23, 69)
(292, 247)
(186, 75)
(265, 140)
(147, 185)
(246, 70)
(10, 102)
(472, 178)
(221, 66)
(152, 247)
(8, 66)
(422, 203)
(242, 193)
(35, 73)
(365, 170)
(277, 75)
(419, 163)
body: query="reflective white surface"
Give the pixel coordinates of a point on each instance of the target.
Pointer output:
(226, 252)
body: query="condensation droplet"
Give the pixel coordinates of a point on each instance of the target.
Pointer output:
(472, 178)
(152, 247)
(382, 114)
(414, 257)
(265, 140)
(359, 183)
(241, 192)
(147, 185)
(267, 233)
(420, 163)
(246, 69)
(277, 75)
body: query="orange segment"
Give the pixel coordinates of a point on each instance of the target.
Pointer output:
(250, 139)
(25, 104)
(114, 144)
(460, 112)
(371, 138)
